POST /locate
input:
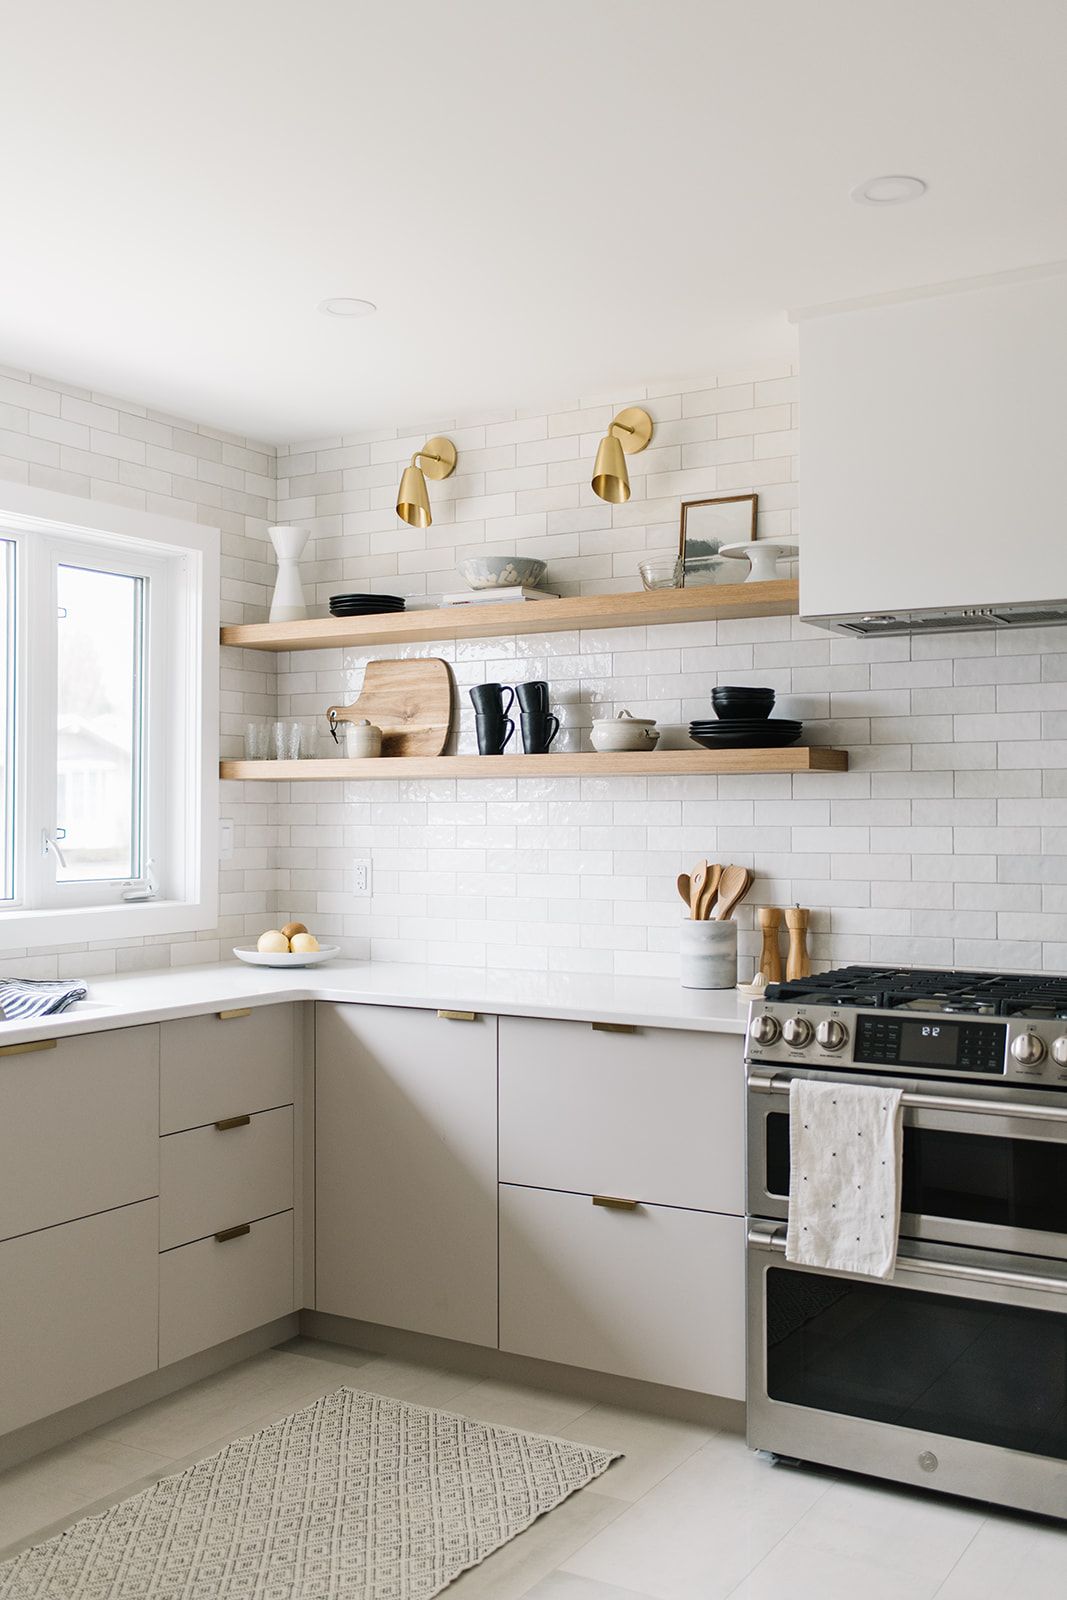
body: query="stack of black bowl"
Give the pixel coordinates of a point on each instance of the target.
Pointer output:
(364, 605)
(743, 721)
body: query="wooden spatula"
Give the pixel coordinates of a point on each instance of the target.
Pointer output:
(696, 888)
(685, 889)
(709, 893)
(733, 887)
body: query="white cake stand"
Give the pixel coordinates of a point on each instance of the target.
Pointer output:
(763, 556)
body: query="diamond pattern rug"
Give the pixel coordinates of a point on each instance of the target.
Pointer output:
(356, 1497)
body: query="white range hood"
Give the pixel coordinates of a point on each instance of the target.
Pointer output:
(933, 443)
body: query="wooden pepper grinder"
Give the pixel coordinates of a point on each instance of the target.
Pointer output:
(797, 962)
(770, 961)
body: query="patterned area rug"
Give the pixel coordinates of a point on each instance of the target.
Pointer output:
(357, 1497)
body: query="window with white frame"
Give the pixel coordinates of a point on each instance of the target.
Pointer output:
(108, 701)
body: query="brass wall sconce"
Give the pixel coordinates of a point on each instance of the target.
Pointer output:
(412, 501)
(611, 481)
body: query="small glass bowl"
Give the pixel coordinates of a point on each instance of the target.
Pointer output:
(661, 572)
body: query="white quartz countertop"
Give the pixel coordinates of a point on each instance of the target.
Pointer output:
(155, 996)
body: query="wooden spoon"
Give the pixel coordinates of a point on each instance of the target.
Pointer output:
(709, 893)
(696, 888)
(685, 888)
(733, 887)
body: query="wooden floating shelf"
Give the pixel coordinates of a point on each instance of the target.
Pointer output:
(584, 763)
(779, 597)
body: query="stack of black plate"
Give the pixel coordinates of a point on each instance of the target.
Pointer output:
(364, 605)
(744, 721)
(761, 733)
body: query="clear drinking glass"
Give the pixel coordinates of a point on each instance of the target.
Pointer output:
(287, 741)
(258, 740)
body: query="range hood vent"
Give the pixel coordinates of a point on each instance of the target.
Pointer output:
(966, 619)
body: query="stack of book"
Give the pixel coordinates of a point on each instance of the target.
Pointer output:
(508, 596)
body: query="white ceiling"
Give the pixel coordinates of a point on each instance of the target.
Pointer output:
(544, 200)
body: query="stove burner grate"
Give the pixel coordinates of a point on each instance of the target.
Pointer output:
(985, 994)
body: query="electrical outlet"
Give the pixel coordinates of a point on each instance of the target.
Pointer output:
(361, 878)
(225, 838)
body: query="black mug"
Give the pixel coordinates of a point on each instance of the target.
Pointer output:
(538, 732)
(488, 699)
(533, 697)
(494, 731)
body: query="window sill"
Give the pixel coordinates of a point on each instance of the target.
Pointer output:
(90, 924)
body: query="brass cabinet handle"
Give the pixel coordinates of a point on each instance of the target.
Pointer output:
(458, 1016)
(238, 1011)
(24, 1049)
(613, 1027)
(233, 1122)
(613, 1203)
(233, 1233)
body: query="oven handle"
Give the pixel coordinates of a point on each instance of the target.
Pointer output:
(773, 1238)
(938, 1102)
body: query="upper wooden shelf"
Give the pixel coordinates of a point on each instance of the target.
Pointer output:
(586, 763)
(707, 603)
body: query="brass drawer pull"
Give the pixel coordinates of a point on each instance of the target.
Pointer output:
(233, 1122)
(233, 1233)
(229, 1016)
(613, 1027)
(458, 1016)
(24, 1049)
(613, 1203)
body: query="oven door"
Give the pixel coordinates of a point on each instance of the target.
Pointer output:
(987, 1170)
(953, 1375)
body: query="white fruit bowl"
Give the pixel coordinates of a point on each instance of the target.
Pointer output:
(285, 958)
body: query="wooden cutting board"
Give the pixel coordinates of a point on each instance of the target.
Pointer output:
(411, 701)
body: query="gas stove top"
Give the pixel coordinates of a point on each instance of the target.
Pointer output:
(973, 1025)
(981, 994)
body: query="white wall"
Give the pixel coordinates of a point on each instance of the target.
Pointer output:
(946, 842)
(55, 436)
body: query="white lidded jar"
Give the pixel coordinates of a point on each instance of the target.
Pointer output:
(624, 732)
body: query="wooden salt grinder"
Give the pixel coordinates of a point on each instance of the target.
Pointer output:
(770, 961)
(797, 963)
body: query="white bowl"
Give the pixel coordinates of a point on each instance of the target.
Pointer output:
(285, 958)
(502, 572)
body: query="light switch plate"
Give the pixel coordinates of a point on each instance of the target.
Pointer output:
(225, 838)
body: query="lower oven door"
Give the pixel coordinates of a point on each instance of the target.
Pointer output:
(987, 1170)
(952, 1375)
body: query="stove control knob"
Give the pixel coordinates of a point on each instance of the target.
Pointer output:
(831, 1034)
(1028, 1049)
(765, 1029)
(1059, 1050)
(796, 1031)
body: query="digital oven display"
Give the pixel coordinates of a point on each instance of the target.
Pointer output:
(886, 1040)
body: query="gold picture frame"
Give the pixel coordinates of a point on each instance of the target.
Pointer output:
(706, 525)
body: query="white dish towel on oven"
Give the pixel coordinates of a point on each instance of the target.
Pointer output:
(845, 1146)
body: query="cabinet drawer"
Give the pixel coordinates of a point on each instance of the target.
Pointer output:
(654, 1293)
(656, 1115)
(211, 1178)
(79, 1311)
(78, 1128)
(212, 1290)
(214, 1067)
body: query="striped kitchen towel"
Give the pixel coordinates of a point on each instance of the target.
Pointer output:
(37, 997)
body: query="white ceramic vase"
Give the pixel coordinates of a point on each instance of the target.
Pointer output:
(287, 604)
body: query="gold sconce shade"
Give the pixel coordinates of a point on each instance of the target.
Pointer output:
(412, 500)
(629, 433)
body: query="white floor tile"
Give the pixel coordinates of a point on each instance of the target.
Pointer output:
(514, 1405)
(792, 1572)
(566, 1586)
(653, 1446)
(511, 1571)
(1011, 1558)
(704, 1528)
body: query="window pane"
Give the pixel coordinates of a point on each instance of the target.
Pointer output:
(98, 796)
(7, 719)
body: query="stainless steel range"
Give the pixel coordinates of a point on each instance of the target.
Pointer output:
(953, 1374)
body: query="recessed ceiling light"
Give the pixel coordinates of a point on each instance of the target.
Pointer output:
(346, 306)
(893, 190)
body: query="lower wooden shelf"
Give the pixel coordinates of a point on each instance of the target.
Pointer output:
(585, 763)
